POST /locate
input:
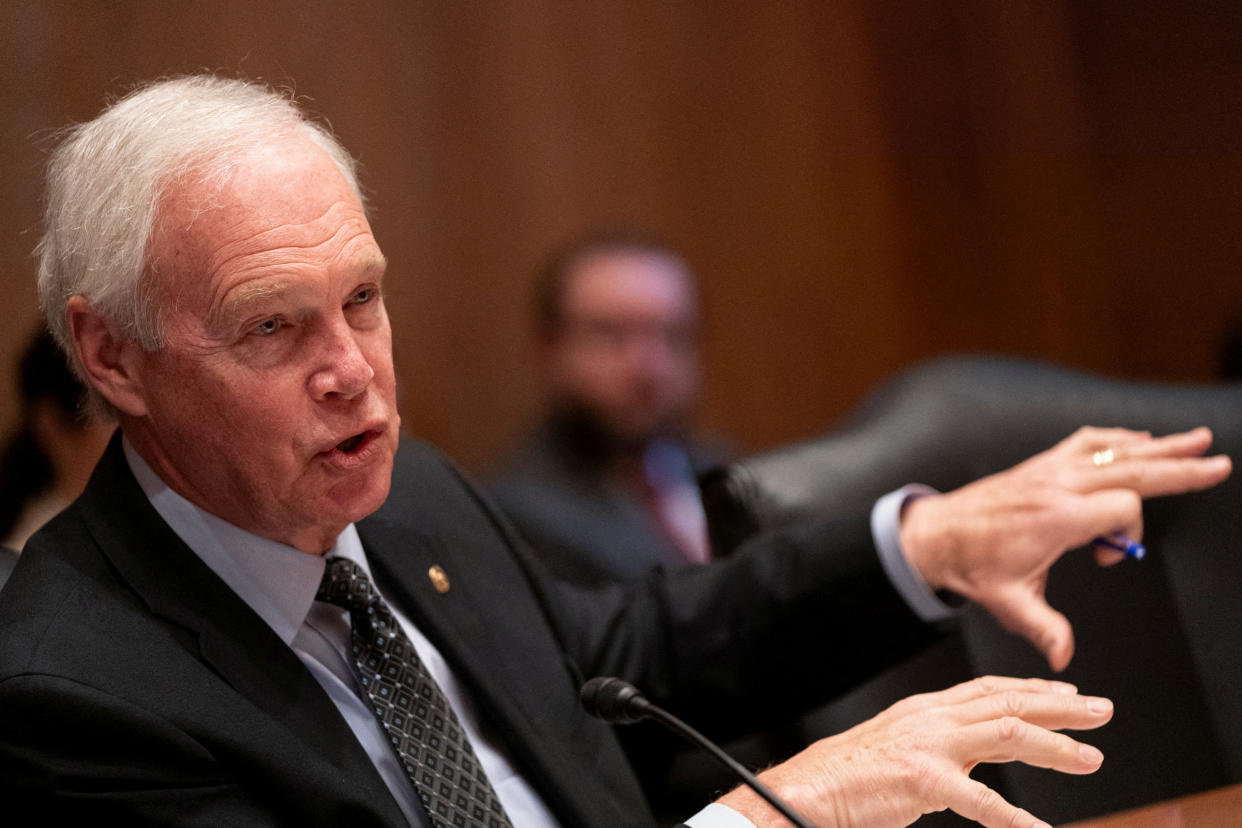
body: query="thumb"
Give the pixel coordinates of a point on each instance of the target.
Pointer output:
(1029, 615)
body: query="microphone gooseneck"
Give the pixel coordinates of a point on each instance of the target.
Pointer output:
(617, 701)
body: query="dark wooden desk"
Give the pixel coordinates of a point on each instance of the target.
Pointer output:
(1221, 808)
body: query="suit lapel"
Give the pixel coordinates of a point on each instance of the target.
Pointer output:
(454, 619)
(177, 586)
(508, 684)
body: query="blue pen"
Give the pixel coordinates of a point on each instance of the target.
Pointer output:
(1132, 549)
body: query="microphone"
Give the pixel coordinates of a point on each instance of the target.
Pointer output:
(618, 702)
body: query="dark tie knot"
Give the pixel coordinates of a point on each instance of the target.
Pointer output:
(346, 584)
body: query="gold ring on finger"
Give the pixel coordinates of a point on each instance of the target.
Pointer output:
(1104, 457)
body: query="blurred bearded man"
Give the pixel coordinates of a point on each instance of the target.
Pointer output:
(607, 485)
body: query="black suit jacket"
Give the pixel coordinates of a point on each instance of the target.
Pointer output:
(134, 683)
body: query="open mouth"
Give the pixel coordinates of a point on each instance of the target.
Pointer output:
(352, 444)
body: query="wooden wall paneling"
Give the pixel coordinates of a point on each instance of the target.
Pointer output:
(860, 184)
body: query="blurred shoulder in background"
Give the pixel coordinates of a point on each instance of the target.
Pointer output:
(48, 457)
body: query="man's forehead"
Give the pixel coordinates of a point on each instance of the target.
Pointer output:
(288, 175)
(624, 278)
(286, 203)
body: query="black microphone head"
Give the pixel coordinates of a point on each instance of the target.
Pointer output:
(613, 700)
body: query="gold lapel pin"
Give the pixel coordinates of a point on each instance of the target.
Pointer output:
(439, 579)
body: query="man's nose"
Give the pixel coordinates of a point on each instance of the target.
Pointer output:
(344, 371)
(653, 354)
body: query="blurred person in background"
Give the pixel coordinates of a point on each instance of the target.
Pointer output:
(605, 487)
(48, 458)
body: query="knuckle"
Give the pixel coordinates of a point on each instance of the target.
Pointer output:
(1018, 819)
(1012, 703)
(1064, 479)
(987, 684)
(988, 801)
(925, 778)
(1009, 728)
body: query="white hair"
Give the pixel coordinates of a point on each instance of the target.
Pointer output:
(106, 179)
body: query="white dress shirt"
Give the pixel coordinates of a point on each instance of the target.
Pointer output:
(279, 583)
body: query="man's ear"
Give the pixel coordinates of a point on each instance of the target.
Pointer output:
(109, 359)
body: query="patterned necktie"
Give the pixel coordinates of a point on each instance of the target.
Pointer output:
(413, 710)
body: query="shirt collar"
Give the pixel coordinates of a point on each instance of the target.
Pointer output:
(277, 581)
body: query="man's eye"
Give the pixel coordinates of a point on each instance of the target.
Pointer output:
(363, 296)
(267, 327)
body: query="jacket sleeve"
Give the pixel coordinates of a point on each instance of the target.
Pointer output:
(794, 618)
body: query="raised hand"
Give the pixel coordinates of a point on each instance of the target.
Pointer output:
(994, 540)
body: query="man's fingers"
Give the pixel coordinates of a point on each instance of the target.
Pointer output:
(977, 801)
(1191, 443)
(1119, 458)
(1152, 477)
(1010, 739)
(1092, 438)
(982, 687)
(1052, 711)
(1129, 443)
(1021, 611)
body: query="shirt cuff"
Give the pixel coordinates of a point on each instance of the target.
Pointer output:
(886, 532)
(718, 816)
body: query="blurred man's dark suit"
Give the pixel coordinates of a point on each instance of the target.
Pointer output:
(134, 683)
(583, 526)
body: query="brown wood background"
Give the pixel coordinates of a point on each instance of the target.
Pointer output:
(861, 183)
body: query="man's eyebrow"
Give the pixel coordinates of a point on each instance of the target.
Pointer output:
(240, 299)
(249, 294)
(375, 262)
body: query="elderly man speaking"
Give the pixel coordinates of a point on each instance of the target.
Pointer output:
(267, 608)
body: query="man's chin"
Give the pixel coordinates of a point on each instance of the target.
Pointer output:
(356, 499)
